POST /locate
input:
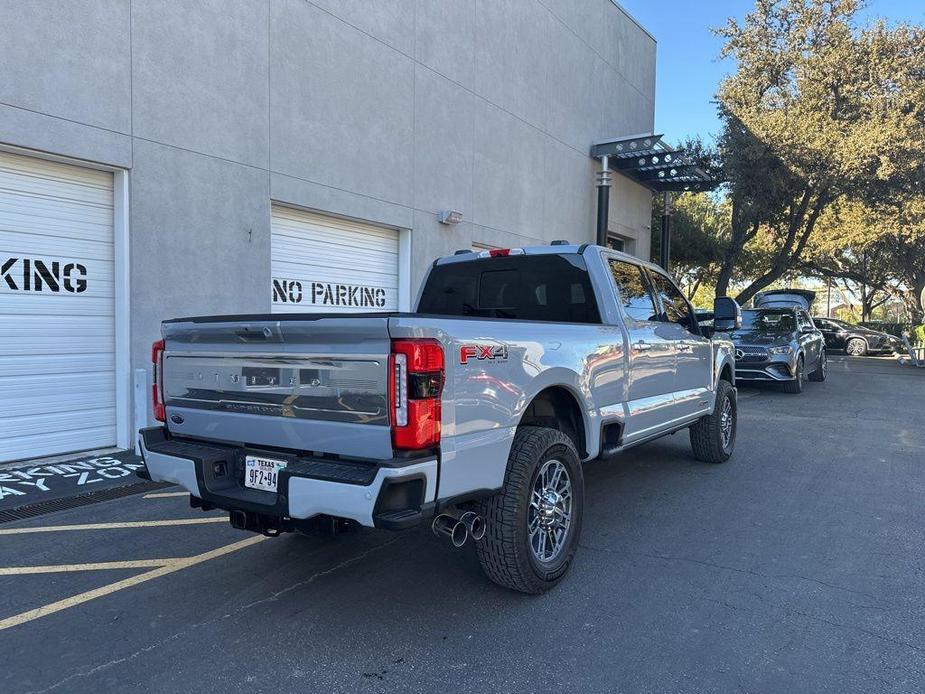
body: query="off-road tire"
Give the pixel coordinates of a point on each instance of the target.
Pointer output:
(818, 376)
(796, 385)
(706, 434)
(504, 551)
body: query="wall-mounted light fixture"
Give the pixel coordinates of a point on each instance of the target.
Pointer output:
(450, 216)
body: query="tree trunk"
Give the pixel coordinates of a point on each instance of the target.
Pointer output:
(693, 289)
(865, 303)
(742, 232)
(918, 298)
(799, 230)
(722, 280)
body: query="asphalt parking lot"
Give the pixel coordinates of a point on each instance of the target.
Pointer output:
(797, 566)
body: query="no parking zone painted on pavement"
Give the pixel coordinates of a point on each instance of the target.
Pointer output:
(28, 483)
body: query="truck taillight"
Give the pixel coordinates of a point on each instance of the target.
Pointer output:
(415, 384)
(157, 389)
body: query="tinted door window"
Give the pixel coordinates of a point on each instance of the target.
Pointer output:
(633, 287)
(677, 310)
(521, 287)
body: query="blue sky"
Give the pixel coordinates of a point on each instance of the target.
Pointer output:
(688, 68)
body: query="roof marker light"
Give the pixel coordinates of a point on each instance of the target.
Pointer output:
(501, 252)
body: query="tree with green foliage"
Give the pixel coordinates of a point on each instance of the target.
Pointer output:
(853, 245)
(818, 110)
(697, 224)
(905, 244)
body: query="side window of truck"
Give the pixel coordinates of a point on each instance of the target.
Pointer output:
(677, 310)
(633, 288)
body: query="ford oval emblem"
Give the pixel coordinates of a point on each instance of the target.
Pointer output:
(176, 419)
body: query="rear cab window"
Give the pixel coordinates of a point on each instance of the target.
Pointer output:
(549, 288)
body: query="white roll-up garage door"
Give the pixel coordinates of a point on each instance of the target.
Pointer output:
(327, 264)
(57, 308)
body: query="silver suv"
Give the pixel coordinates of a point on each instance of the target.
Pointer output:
(778, 341)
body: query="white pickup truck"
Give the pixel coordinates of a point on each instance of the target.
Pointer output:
(473, 413)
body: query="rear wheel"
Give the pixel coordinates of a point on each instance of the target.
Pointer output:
(532, 526)
(821, 368)
(796, 385)
(713, 437)
(856, 347)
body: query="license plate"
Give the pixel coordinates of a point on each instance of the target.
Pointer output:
(262, 473)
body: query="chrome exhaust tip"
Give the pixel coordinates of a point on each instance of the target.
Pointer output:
(474, 523)
(447, 526)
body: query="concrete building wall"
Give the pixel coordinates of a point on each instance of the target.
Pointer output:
(385, 112)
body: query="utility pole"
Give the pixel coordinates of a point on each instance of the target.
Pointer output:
(603, 201)
(665, 255)
(828, 300)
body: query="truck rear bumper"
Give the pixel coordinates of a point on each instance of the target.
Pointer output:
(389, 494)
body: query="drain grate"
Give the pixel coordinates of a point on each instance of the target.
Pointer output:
(40, 508)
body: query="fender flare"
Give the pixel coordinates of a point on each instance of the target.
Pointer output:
(723, 357)
(568, 381)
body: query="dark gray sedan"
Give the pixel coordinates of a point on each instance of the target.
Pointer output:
(856, 340)
(779, 345)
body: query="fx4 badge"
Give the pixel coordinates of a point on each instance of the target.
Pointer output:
(482, 352)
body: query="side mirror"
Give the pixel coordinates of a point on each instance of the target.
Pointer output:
(726, 314)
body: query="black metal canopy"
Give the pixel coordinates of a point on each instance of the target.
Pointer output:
(652, 163)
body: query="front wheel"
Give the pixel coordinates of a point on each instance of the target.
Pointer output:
(796, 385)
(713, 437)
(821, 368)
(532, 526)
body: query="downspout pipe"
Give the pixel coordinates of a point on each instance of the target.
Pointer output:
(603, 200)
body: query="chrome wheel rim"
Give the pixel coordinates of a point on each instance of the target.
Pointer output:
(549, 515)
(725, 423)
(825, 364)
(855, 348)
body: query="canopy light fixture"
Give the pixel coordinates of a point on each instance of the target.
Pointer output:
(450, 216)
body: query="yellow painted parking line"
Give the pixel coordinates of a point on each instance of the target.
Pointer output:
(81, 598)
(164, 495)
(97, 566)
(114, 526)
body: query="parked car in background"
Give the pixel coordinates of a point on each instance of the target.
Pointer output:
(778, 341)
(855, 339)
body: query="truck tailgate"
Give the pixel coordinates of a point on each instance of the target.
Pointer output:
(310, 383)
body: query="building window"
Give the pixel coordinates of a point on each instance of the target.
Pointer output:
(615, 243)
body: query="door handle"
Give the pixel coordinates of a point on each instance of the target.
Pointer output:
(641, 346)
(684, 347)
